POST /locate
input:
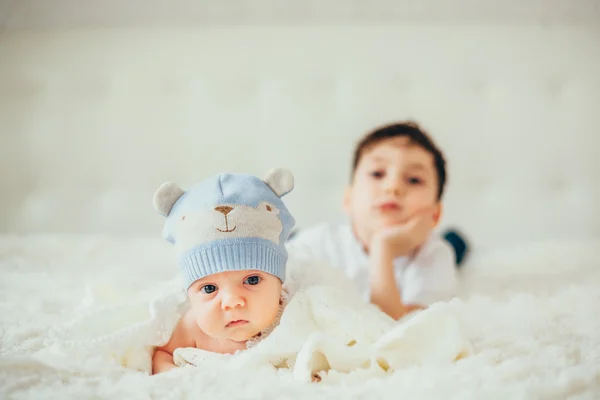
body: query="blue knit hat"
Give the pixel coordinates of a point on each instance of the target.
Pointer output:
(229, 222)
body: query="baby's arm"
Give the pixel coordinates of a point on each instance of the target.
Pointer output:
(162, 360)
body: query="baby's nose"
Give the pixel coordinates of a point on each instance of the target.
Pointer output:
(224, 209)
(232, 299)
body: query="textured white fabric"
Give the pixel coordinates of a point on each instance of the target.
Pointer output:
(326, 330)
(427, 277)
(529, 312)
(321, 317)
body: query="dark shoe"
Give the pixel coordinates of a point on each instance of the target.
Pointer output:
(458, 243)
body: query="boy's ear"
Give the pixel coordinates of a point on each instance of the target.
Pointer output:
(347, 201)
(437, 213)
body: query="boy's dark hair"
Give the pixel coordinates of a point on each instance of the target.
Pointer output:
(416, 136)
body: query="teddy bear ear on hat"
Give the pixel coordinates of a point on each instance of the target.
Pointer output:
(280, 180)
(165, 197)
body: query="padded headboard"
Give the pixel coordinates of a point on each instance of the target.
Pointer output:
(93, 121)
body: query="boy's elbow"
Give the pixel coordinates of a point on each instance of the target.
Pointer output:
(413, 307)
(407, 309)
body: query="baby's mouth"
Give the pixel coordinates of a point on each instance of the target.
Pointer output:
(238, 322)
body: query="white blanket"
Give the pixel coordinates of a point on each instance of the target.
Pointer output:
(326, 329)
(530, 313)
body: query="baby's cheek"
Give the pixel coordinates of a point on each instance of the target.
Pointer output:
(207, 320)
(196, 303)
(268, 313)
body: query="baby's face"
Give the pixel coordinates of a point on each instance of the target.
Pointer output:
(235, 305)
(393, 180)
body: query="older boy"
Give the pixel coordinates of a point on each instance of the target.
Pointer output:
(394, 202)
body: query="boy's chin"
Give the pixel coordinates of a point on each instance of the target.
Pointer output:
(388, 222)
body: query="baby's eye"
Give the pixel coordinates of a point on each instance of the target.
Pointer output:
(253, 280)
(415, 180)
(377, 174)
(208, 289)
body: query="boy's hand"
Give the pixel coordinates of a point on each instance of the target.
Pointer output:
(399, 240)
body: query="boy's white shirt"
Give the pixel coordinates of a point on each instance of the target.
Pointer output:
(423, 279)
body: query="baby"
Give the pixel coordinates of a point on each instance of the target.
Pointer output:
(229, 233)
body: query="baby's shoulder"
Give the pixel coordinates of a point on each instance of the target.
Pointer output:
(191, 330)
(182, 335)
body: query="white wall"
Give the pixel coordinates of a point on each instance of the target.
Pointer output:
(92, 121)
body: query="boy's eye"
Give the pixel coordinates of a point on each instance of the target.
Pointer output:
(253, 280)
(208, 289)
(415, 181)
(377, 174)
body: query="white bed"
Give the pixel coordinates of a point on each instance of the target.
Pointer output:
(529, 313)
(98, 108)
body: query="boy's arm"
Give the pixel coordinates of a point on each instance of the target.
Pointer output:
(430, 277)
(385, 291)
(388, 244)
(162, 360)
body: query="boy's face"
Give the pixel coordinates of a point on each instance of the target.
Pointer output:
(235, 305)
(394, 179)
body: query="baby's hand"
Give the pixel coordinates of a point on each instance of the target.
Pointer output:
(400, 240)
